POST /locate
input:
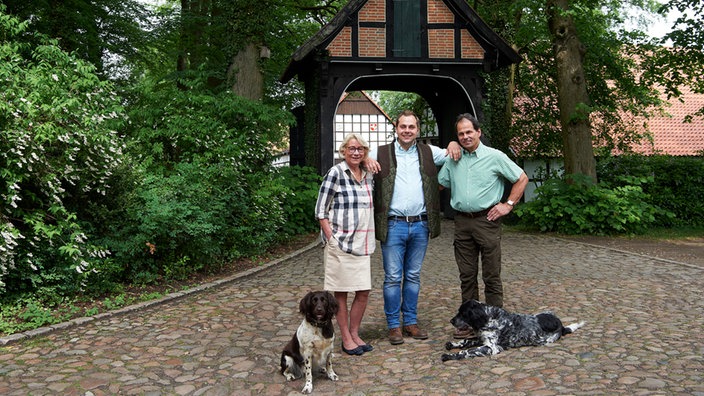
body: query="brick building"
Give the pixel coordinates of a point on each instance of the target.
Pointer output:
(434, 48)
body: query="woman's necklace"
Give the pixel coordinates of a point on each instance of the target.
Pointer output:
(357, 174)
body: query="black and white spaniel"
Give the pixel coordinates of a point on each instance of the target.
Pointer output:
(311, 347)
(497, 329)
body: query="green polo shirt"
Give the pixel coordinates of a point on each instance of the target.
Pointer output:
(476, 180)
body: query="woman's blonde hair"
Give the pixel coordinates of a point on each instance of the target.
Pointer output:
(347, 139)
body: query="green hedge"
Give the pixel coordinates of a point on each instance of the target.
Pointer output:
(634, 193)
(677, 184)
(577, 205)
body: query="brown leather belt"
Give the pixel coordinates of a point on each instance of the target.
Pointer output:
(473, 215)
(410, 219)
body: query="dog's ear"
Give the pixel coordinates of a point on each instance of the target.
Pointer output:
(468, 305)
(332, 304)
(305, 303)
(475, 315)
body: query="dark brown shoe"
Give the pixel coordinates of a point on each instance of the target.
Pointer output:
(465, 332)
(395, 336)
(415, 332)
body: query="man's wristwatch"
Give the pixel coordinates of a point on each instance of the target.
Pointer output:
(511, 203)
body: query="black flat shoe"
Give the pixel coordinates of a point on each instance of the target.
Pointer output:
(356, 351)
(366, 348)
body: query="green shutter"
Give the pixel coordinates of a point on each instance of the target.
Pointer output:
(406, 28)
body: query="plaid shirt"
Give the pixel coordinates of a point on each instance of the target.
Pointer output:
(347, 204)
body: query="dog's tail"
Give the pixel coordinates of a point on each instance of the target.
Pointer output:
(571, 328)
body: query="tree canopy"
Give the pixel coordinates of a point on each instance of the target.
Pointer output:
(682, 63)
(101, 32)
(606, 52)
(125, 155)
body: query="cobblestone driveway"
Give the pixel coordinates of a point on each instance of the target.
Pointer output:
(643, 334)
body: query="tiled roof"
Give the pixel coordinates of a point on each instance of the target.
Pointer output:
(671, 135)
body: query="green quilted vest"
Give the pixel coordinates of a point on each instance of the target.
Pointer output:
(384, 188)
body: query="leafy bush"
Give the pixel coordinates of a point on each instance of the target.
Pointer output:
(578, 206)
(31, 312)
(677, 184)
(171, 219)
(170, 126)
(299, 206)
(187, 186)
(206, 192)
(58, 141)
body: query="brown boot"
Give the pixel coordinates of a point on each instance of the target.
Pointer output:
(395, 336)
(415, 332)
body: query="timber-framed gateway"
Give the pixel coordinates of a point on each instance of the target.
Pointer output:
(435, 48)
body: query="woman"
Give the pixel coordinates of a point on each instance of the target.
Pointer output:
(346, 216)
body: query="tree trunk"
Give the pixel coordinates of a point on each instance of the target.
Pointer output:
(246, 75)
(510, 89)
(573, 99)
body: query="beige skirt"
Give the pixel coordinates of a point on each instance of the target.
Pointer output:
(345, 272)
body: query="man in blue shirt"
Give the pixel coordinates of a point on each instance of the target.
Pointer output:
(476, 185)
(406, 216)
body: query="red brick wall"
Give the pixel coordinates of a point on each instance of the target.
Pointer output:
(470, 48)
(439, 13)
(341, 45)
(372, 42)
(373, 11)
(441, 43)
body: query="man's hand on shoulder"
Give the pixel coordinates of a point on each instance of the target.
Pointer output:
(371, 165)
(454, 150)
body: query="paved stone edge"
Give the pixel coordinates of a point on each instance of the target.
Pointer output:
(632, 253)
(17, 337)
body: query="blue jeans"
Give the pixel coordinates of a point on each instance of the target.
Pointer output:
(403, 254)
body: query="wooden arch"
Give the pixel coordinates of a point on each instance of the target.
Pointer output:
(435, 48)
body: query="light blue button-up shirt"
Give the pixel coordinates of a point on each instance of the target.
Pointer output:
(408, 199)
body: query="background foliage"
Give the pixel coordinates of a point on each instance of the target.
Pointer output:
(577, 205)
(676, 184)
(186, 184)
(126, 160)
(58, 148)
(394, 103)
(634, 193)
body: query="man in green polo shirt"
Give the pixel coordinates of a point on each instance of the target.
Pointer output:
(476, 185)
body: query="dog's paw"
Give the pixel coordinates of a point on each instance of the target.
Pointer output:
(333, 376)
(289, 377)
(308, 388)
(448, 356)
(449, 345)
